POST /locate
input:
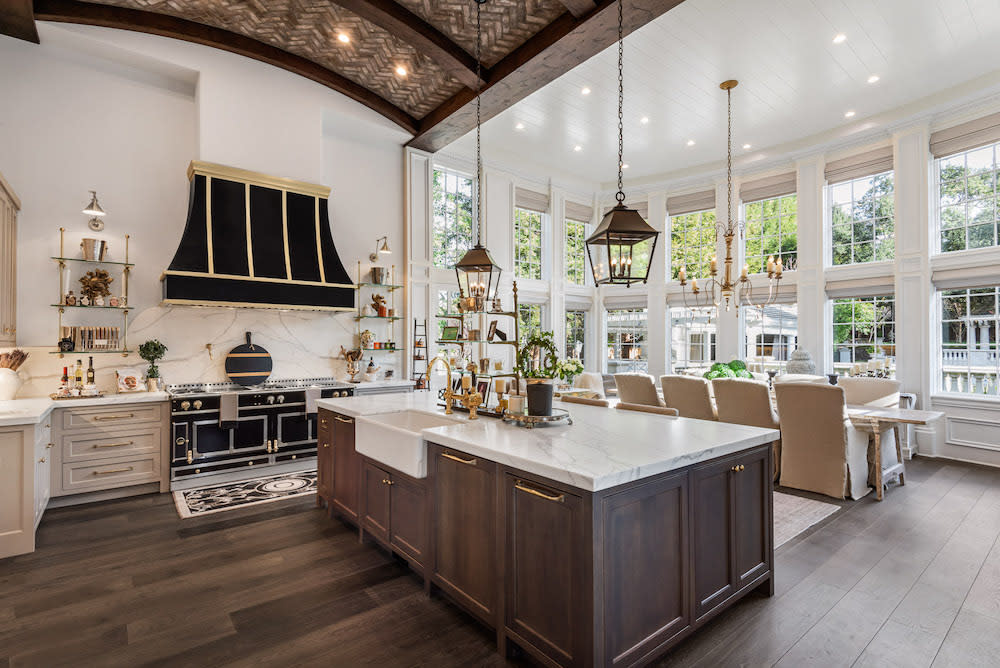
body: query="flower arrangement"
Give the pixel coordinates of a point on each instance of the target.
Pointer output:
(568, 369)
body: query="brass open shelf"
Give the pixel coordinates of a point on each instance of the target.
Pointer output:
(114, 308)
(80, 259)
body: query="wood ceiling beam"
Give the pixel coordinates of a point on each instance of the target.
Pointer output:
(86, 13)
(578, 7)
(553, 51)
(17, 19)
(425, 38)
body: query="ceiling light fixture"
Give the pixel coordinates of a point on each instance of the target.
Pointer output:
(873, 79)
(585, 91)
(477, 274)
(625, 166)
(519, 126)
(577, 148)
(730, 292)
(839, 38)
(401, 71)
(612, 246)
(343, 38)
(747, 147)
(644, 120)
(849, 114)
(690, 142)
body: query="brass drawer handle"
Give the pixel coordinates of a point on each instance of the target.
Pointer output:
(124, 470)
(558, 498)
(343, 419)
(470, 462)
(326, 445)
(386, 481)
(113, 417)
(49, 446)
(738, 468)
(42, 460)
(323, 422)
(113, 445)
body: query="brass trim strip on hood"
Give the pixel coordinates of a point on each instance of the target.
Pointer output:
(256, 178)
(249, 234)
(208, 224)
(261, 279)
(284, 234)
(283, 307)
(319, 244)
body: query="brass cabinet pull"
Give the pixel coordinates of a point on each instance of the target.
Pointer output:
(49, 446)
(343, 419)
(124, 470)
(470, 462)
(386, 481)
(326, 445)
(113, 445)
(114, 417)
(323, 422)
(42, 460)
(190, 457)
(738, 468)
(181, 440)
(558, 498)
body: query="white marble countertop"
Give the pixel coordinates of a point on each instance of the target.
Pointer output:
(603, 447)
(34, 410)
(382, 384)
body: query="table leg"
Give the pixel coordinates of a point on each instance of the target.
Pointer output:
(899, 454)
(878, 462)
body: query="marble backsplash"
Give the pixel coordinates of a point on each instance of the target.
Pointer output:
(302, 344)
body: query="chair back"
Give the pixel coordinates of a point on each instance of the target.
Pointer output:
(610, 388)
(800, 378)
(813, 437)
(744, 401)
(637, 388)
(584, 400)
(862, 391)
(690, 395)
(588, 380)
(643, 408)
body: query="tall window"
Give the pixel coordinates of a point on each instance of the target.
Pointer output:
(576, 252)
(529, 319)
(692, 337)
(864, 328)
(452, 225)
(967, 183)
(527, 244)
(970, 362)
(862, 212)
(771, 230)
(576, 334)
(627, 341)
(772, 333)
(447, 302)
(692, 242)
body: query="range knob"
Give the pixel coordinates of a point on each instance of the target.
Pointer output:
(281, 398)
(270, 398)
(185, 405)
(197, 404)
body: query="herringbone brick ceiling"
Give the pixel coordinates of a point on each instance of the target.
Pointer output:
(309, 28)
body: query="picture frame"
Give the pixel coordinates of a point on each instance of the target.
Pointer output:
(493, 330)
(483, 387)
(449, 333)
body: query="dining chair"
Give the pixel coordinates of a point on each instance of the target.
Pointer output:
(876, 393)
(588, 380)
(643, 408)
(610, 388)
(821, 450)
(690, 395)
(745, 401)
(637, 388)
(584, 400)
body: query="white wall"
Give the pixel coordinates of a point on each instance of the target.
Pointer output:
(124, 113)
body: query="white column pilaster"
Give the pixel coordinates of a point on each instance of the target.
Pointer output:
(657, 328)
(814, 318)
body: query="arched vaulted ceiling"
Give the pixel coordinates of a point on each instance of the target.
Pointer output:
(526, 45)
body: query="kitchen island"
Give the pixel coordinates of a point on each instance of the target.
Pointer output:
(604, 542)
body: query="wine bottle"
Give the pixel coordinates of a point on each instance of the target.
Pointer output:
(65, 377)
(78, 377)
(90, 371)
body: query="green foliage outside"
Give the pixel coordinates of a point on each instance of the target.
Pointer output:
(771, 230)
(863, 218)
(529, 317)
(864, 323)
(576, 252)
(968, 200)
(453, 222)
(692, 243)
(527, 244)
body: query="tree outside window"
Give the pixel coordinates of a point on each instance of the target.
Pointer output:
(692, 243)
(527, 244)
(862, 214)
(576, 252)
(576, 331)
(627, 341)
(452, 210)
(967, 183)
(529, 318)
(864, 328)
(771, 231)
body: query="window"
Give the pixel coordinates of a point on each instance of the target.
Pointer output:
(692, 242)
(529, 317)
(864, 328)
(527, 244)
(692, 337)
(576, 252)
(967, 188)
(862, 215)
(772, 333)
(576, 334)
(969, 356)
(627, 341)
(771, 230)
(452, 204)
(447, 302)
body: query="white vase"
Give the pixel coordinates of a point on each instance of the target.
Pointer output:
(10, 383)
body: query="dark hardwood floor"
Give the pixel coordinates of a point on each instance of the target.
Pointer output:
(912, 581)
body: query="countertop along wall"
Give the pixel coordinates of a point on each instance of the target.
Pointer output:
(124, 113)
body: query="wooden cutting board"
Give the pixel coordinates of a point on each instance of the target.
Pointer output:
(248, 363)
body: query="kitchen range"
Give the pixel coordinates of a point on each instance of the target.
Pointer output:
(218, 430)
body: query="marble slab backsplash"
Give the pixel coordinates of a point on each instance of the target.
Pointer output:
(302, 344)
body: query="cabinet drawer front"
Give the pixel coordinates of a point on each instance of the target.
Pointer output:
(110, 473)
(111, 416)
(89, 447)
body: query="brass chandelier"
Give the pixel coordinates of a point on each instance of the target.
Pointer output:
(729, 292)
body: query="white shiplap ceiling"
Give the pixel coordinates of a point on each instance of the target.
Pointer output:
(795, 83)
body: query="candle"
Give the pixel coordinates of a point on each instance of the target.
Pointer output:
(746, 269)
(770, 264)
(682, 274)
(694, 285)
(778, 268)
(466, 382)
(500, 385)
(712, 264)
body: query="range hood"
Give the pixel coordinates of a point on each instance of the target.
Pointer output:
(256, 241)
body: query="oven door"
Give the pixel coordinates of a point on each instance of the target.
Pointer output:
(251, 433)
(209, 440)
(180, 441)
(296, 428)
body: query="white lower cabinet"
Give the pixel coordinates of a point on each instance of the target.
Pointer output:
(25, 484)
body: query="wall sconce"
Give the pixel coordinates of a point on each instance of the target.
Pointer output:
(95, 211)
(381, 246)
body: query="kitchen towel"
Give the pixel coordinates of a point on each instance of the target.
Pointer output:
(228, 408)
(312, 394)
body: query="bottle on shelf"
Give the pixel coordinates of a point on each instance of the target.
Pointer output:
(78, 377)
(65, 377)
(90, 371)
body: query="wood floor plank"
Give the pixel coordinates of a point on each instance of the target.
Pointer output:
(972, 642)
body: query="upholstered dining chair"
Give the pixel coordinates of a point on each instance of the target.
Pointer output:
(690, 395)
(745, 401)
(821, 450)
(637, 388)
(643, 408)
(584, 400)
(874, 393)
(588, 380)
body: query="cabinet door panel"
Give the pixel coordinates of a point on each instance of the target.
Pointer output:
(712, 503)
(752, 518)
(375, 491)
(408, 523)
(465, 531)
(346, 469)
(324, 468)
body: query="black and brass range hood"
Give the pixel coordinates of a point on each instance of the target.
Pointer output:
(256, 241)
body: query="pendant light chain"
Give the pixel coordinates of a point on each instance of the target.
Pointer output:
(621, 99)
(729, 159)
(479, 147)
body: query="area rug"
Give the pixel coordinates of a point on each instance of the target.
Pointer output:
(227, 496)
(794, 514)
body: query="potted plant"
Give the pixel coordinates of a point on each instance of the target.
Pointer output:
(151, 351)
(568, 369)
(538, 363)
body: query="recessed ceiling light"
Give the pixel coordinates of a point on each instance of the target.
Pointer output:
(644, 120)
(577, 148)
(585, 90)
(401, 71)
(873, 78)
(624, 165)
(746, 147)
(849, 114)
(519, 126)
(690, 142)
(839, 38)
(343, 37)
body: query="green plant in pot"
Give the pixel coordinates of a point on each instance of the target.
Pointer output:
(538, 363)
(152, 351)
